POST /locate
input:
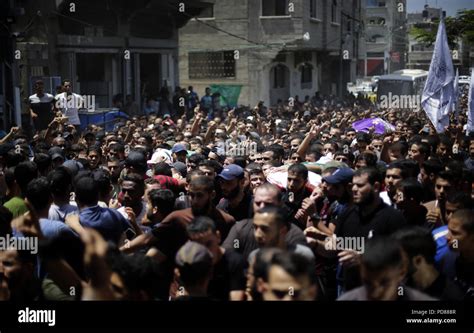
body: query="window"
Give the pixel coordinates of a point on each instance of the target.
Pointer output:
(313, 8)
(275, 7)
(208, 12)
(279, 76)
(377, 39)
(371, 3)
(375, 55)
(211, 65)
(306, 76)
(334, 11)
(377, 21)
(302, 57)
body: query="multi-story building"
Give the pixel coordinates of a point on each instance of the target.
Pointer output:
(386, 36)
(272, 49)
(419, 54)
(104, 47)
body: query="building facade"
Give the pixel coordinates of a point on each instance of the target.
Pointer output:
(419, 54)
(272, 49)
(104, 47)
(386, 36)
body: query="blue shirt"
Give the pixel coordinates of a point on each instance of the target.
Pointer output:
(439, 235)
(54, 229)
(58, 213)
(108, 222)
(206, 102)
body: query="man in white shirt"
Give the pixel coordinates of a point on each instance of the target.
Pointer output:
(69, 104)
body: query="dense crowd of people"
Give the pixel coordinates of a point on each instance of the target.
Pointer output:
(267, 203)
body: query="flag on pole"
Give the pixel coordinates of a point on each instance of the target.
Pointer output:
(470, 106)
(456, 93)
(438, 94)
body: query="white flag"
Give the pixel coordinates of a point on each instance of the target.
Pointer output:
(438, 94)
(470, 106)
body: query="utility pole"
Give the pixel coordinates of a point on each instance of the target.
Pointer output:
(341, 50)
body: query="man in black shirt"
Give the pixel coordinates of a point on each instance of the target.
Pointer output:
(228, 278)
(420, 247)
(369, 217)
(296, 193)
(241, 236)
(41, 107)
(236, 202)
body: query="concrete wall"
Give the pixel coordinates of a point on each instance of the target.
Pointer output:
(272, 34)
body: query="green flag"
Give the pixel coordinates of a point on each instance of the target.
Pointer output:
(229, 93)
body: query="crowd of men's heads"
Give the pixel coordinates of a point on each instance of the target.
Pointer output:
(240, 205)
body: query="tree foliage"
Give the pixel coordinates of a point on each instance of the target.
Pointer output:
(458, 28)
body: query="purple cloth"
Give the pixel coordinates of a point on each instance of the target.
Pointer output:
(380, 125)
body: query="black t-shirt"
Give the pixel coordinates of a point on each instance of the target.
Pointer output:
(445, 289)
(384, 220)
(43, 107)
(294, 204)
(244, 210)
(228, 275)
(241, 237)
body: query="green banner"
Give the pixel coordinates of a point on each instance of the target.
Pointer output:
(229, 93)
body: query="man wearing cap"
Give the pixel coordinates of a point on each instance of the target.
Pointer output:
(57, 156)
(90, 139)
(160, 155)
(179, 152)
(136, 163)
(228, 277)
(369, 217)
(194, 264)
(236, 201)
(337, 190)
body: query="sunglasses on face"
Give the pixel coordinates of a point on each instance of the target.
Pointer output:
(280, 294)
